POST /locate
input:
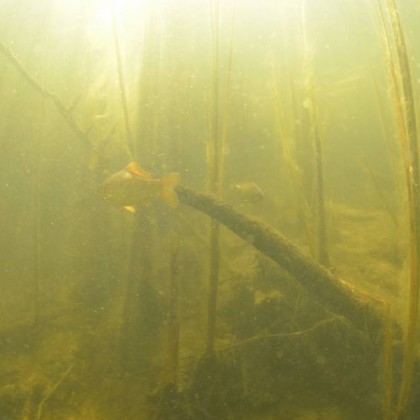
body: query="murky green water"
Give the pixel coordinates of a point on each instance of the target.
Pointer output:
(299, 114)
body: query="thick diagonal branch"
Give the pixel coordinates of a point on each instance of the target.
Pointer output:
(333, 293)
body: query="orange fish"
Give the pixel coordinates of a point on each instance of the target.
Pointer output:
(132, 187)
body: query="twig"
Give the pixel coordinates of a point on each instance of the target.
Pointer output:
(123, 93)
(322, 239)
(52, 390)
(215, 185)
(61, 108)
(403, 94)
(388, 364)
(173, 318)
(280, 335)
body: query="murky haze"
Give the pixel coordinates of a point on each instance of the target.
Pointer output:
(296, 113)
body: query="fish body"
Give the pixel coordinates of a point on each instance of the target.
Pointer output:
(133, 187)
(248, 192)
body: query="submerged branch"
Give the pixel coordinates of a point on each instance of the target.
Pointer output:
(61, 108)
(335, 294)
(405, 105)
(44, 400)
(123, 91)
(265, 336)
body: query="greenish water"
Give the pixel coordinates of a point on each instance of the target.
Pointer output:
(295, 113)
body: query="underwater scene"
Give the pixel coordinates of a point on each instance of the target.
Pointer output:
(209, 209)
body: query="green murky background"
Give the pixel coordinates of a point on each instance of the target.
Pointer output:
(85, 306)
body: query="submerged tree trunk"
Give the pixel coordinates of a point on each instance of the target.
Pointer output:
(335, 294)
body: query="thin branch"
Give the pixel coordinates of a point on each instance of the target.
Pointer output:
(52, 390)
(281, 335)
(61, 108)
(123, 92)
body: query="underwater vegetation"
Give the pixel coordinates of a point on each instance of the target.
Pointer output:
(209, 210)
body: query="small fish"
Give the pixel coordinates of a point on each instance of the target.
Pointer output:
(132, 187)
(248, 192)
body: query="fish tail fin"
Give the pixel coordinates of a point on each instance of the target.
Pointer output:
(168, 194)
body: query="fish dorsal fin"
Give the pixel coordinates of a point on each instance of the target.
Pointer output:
(134, 168)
